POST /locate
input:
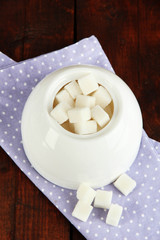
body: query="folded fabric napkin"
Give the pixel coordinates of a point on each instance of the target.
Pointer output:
(141, 218)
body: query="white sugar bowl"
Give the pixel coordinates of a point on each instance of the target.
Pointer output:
(68, 159)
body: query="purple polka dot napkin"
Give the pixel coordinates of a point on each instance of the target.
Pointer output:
(141, 209)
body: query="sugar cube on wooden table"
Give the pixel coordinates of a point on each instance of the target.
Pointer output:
(125, 184)
(85, 127)
(85, 193)
(73, 89)
(114, 215)
(82, 211)
(103, 199)
(64, 96)
(59, 113)
(85, 101)
(102, 96)
(88, 84)
(79, 114)
(100, 116)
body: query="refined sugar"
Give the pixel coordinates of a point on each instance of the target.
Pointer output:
(88, 84)
(59, 113)
(82, 211)
(64, 96)
(114, 214)
(73, 89)
(79, 114)
(100, 116)
(102, 96)
(85, 101)
(125, 184)
(103, 199)
(85, 127)
(85, 193)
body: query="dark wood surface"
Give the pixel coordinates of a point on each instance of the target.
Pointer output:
(129, 32)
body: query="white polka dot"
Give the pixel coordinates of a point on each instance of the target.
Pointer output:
(140, 225)
(137, 234)
(63, 56)
(87, 231)
(99, 226)
(50, 193)
(11, 117)
(37, 177)
(151, 219)
(128, 230)
(145, 205)
(20, 71)
(29, 173)
(39, 71)
(82, 55)
(96, 235)
(68, 201)
(71, 59)
(28, 75)
(31, 67)
(42, 63)
(25, 84)
(78, 227)
(142, 215)
(90, 222)
(92, 49)
(42, 189)
(93, 214)
(59, 197)
(70, 193)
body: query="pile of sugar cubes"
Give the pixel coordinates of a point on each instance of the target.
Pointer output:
(81, 106)
(102, 199)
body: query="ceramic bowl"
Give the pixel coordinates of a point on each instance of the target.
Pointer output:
(67, 159)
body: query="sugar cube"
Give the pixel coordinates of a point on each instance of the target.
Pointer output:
(85, 127)
(125, 184)
(102, 96)
(82, 211)
(103, 199)
(88, 84)
(79, 114)
(85, 101)
(100, 116)
(73, 89)
(59, 113)
(64, 96)
(114, 214)
(85, 193)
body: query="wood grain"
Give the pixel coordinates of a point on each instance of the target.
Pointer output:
(129, 32)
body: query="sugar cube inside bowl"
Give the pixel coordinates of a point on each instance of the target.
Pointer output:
(90, 106)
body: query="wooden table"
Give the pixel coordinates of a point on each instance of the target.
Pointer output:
(129, 32)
